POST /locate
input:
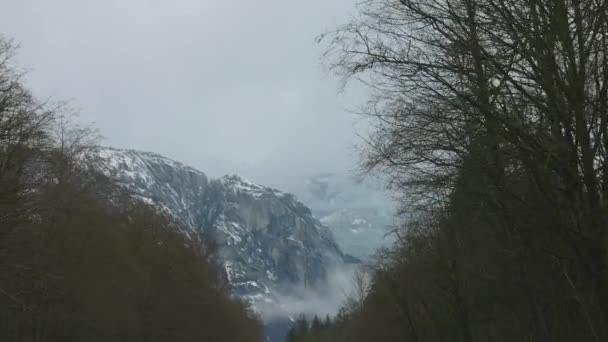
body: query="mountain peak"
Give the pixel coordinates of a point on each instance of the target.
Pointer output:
(267, 239)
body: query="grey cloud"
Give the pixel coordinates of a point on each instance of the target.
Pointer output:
(340, 287)
(226, 86)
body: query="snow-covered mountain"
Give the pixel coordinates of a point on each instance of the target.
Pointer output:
(268, 241)
(358, 210)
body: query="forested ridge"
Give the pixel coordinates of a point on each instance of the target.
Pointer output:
(491, 121)
(80, 260)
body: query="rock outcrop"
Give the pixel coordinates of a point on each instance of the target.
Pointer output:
(268, 241)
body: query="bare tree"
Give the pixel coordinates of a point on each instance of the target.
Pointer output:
(23, 134)
(491, 119)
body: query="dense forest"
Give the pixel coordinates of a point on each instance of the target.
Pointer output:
(491, 120)
(82, 261)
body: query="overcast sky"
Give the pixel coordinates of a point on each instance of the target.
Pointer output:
(222, 85)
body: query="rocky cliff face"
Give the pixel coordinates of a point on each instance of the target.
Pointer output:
(268, 241)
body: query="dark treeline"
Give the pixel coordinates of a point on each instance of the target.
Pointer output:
(80, 260)
(303, 327)
(491, 120)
